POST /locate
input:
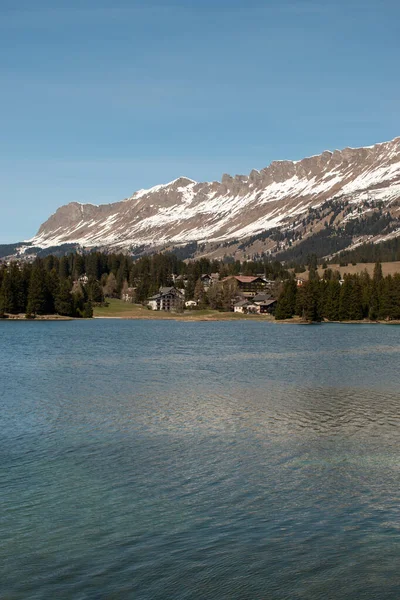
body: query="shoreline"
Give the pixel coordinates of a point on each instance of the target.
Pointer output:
(22, 317)
(193, 318)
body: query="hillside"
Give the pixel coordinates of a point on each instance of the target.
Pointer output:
(321, 204)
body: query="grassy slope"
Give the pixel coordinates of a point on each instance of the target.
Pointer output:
(388, 268)
(118, 308)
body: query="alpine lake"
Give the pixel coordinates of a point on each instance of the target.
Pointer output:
(157, 460)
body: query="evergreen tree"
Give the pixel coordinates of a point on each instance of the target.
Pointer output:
(63, 268)
(9, 292)
(286, 305)
(350, 306)
(95, 291)
(378, 275)
(376, 292)
(63, 300)
(331, 300)
(87, 312)
(39, 298)
(78, 266)
(312, 301)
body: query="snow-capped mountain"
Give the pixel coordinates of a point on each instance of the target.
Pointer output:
(235, 208)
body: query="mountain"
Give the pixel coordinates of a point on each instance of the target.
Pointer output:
(272, 210)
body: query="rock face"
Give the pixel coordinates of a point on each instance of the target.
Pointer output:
(184, 210)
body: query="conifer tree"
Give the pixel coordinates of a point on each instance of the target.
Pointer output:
(8, 296)
(312, 301)
(376, 292)
(38, 294)
(286, 305)
(332, 300)
(95, 291)
(378, 275)
(63, 267)
(63, 300)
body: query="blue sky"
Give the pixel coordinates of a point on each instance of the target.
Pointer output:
(100, 98)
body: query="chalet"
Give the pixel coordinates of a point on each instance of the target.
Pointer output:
(266, 306)
(245, 307)
(206, 280)
(248, 285)
(209, 280)
(261, 306)
(168, 298)
(261, 297)
(179, 281)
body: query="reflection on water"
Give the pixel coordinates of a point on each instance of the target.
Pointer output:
(199, 460)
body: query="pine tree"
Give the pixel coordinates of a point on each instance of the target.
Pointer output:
(286, 305)
(79, 265)
(63, 300)
(87, 312)
(312, 301)
(376, 292)
(378, 275)
(350, 306)
(8, 297)
(63, 268)
(331, 300)
(95, 291)
(39, 299)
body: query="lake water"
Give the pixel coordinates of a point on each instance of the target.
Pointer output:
(159, 460)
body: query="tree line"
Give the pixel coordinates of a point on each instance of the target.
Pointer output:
(37, 289)
(354, 298)
(70, 285)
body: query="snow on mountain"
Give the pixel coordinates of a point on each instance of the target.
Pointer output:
(184, 210)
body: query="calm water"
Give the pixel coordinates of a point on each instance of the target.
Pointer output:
(162, 460)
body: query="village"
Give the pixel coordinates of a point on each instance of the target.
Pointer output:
(247, 294)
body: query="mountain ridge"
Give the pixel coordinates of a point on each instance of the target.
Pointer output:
(278, 196)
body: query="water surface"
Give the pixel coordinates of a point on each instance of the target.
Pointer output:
(223, 460)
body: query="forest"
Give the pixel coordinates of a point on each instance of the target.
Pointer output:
(354, 298)
(71, 285)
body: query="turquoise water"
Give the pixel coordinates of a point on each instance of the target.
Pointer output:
(223, 460)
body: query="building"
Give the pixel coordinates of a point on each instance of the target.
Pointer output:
(245, 307)
(168, 298)
(262, 297)
(248, 285)
(206, 280)
(266, 307)
(209, 280)
(261, 306)
(180, 281)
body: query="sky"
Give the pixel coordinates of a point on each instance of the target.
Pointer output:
(100, 98)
